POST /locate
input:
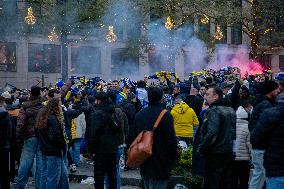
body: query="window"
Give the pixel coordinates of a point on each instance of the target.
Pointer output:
(44, 58)
(265, 61)
(223, 27)
(8, 15)
(204, 28)
(85, 60)
(236, 34)
(193, 63)
(123, 66)
(160, 61)
(281, 62)
(224, 31)
(8, 57)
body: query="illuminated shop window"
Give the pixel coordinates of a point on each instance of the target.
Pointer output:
(44, 58)
(121, 65)
(8, 57)
(85, 60)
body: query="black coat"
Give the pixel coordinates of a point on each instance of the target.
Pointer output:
(196, 103)
(130, 112)
(51, 138)
(261, 104)
(269, 133)
(164, 154)
(5, 127)
(217, 132)
(103, 136)
(70, 114)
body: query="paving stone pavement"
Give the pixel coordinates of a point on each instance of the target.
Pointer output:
(129, 179)
(83, 186)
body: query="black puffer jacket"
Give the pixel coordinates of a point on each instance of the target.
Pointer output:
(261, 104)
(217, 132)
(5, 126)
(51, 138)
(164, 154)
(269, 133)
(103, 136)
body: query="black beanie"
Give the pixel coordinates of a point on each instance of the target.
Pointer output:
(102, 96)
(268, 86)
(35, 90)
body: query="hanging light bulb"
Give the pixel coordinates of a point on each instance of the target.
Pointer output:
(52, 36)
(204, 19)
(30, 19)
(218, 34)
(169, 23)
(111, 37)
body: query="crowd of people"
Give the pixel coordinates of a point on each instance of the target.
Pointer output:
(233, 125)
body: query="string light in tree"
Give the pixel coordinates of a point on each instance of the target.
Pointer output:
(52, 36)
(218, 34)
(111, 37)
(169, 23)
(204, 19)
(30, 18)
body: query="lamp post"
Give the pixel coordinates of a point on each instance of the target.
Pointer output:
(63, 39)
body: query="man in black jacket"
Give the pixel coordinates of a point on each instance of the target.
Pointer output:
(103, 137)
(269, 90)
(4, 145)
(155, 171)
(216, 142)
(269, 132)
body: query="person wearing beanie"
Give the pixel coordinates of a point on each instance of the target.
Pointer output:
(15, 150)
(6, 95)
(25, 131)
(242, 149)
(269, 90)
(155, 171)
(269, 133)
(104, 136)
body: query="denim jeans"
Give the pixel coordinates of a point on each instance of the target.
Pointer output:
(275, 182)
(29, 151)
(54, 173)
(258, 175)
(76, 151)
(150, 183)
(119, 152)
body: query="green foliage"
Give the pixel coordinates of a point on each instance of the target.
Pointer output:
(183, 168)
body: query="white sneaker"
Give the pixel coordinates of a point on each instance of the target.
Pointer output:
(73, 168)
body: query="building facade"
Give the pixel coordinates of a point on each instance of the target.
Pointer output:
(32, 59)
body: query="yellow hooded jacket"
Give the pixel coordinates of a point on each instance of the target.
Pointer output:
(184, 120)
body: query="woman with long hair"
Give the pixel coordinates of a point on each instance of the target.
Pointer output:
(50, 126)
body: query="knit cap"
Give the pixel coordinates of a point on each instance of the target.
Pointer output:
(268, 86)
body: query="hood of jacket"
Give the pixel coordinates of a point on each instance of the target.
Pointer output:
(263, 98)
(221, 102)
(181, 108)
(11, 107)
(106, 107)
(3, 112)
(32, 102)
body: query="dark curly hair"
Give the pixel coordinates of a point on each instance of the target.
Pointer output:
(52, 107)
